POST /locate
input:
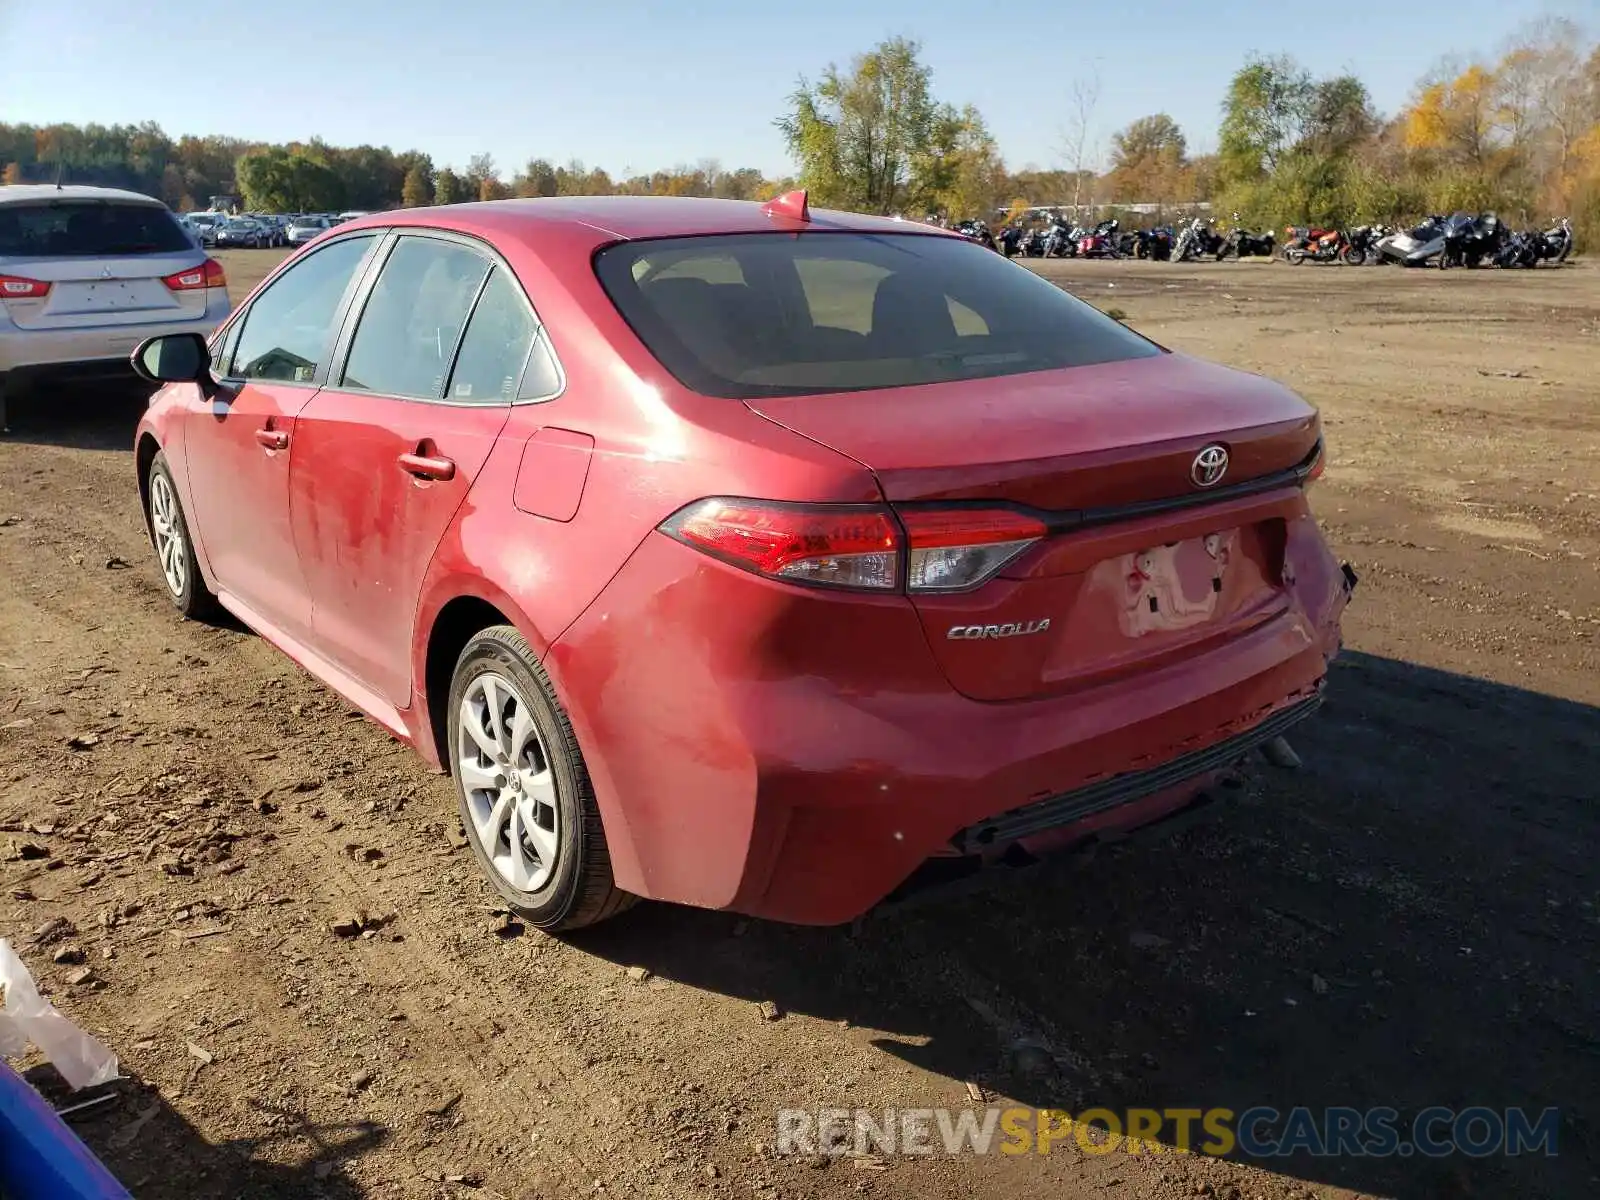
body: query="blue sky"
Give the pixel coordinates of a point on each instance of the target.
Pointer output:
(638, 86)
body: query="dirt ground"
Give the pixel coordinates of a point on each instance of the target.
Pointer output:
(1411, 919)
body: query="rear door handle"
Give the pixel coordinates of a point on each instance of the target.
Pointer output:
(424, 467)
(273, 439)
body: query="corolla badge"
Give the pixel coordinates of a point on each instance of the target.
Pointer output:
(1008, 630)
(1209, 466)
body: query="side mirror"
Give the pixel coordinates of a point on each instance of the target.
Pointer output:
(174, 358)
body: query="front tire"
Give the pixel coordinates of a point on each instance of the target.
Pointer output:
(1354, 256)
(524, 794)
(169, 534)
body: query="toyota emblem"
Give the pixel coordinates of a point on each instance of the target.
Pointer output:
(1209, 466)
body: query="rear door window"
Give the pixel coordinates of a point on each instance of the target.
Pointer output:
(88, 229)
(752, 315)
(495, 346)
(413, 319)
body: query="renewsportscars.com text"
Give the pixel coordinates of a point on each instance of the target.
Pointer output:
(1262, 1132)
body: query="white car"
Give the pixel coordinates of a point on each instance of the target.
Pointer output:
(86, 274)
(303, 229)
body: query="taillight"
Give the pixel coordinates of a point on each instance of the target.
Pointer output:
(1318, 465)
(848, 546)
(14, 287)
(858, 546)
(208, 275)
(957, 549)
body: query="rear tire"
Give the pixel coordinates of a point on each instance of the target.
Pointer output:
(174, 545)
(1354, 256)
(523, 790)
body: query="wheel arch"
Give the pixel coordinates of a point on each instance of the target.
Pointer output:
(458, 607)
(457, 621)
(144, 453)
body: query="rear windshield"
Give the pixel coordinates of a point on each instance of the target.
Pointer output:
(751, 315)
(88, 229)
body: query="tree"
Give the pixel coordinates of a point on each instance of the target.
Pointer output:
(1148, 161)
(1339, 116)
(447, 187)
(1264, 114)
(12, 173)
(1456, 118)
(479, 175)
(280, 180)
(857, 135)
(1083, 99)
(962, 172)
(417, 191)
(538, 178)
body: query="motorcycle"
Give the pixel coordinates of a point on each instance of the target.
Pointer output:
(1519, 250)
(1058, 241)
(1416, 246)
(1360, 243)
(1303, 244)
(1010, 240)
(1101, 241)
(1469, 239)
(1555, 243)
(1195, 240)
(1153, 243)
(1241, 243)
(977, 231)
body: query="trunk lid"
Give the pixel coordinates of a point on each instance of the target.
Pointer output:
(1142, 565)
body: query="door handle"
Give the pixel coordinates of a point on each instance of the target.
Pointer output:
(273, 439)
(424, 467)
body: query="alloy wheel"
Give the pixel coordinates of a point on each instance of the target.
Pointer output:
(505, 775)
(167, 525)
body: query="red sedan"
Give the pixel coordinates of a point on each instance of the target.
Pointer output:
(739, 555)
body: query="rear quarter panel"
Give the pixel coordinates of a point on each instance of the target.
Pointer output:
(656, 448)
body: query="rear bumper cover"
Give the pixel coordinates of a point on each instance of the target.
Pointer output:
(801, 776)
(84, 346)
(1094, 798)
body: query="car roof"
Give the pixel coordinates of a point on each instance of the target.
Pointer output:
(17, 193)
(630, 217)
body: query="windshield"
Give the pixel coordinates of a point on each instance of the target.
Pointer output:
(88, 229)
(753, 315)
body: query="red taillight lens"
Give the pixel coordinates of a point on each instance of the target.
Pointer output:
(858, 546)
(957, 549)
(208, 275)
(1318, 465)
(14, 287)
(847, 546)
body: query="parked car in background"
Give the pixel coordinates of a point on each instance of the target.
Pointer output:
(204, 225)
(302, 229)
(85, 274)
(350, 216)
(241, 231)
(268, 227)
(740, 560)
